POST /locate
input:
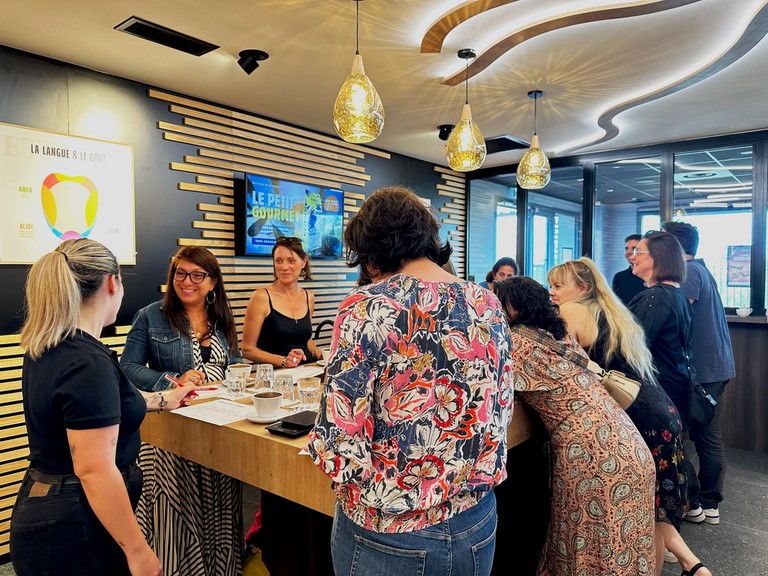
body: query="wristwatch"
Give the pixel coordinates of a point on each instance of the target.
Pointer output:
(282, 364)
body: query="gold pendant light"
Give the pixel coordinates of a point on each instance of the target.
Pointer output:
(466, 150)
(358, 113)
(533, 172)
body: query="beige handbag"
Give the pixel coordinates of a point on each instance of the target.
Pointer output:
(623, 388)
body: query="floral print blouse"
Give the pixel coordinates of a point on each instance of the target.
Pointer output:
(412, 423)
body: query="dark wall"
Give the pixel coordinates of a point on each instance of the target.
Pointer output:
(54, 96)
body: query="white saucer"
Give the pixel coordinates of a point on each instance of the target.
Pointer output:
(321, 362)
(251, 416)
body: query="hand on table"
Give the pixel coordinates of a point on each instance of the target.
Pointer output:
(192, 378)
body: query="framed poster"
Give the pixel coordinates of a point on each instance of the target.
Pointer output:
(55, 187)
(738, 265)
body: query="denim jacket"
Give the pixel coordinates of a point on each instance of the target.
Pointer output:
(153, 349)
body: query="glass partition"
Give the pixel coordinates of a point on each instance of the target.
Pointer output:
(713, 191)
(554, 220)
(492, 224)
(626, 202)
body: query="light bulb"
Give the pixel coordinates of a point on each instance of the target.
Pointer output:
(358, 113)
(533, 172)
(465, 149)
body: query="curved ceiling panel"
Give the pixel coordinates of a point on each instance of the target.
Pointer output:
(433, 39)
(505, 45)
(754, 32)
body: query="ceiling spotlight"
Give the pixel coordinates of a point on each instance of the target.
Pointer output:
(249, 59)
(444, 131)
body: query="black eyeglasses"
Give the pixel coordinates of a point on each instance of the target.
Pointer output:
(288, 240)
(197, 277)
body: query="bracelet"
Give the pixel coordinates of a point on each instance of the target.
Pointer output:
(162, 402)
(285, 359)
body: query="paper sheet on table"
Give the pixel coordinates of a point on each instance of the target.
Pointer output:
(218, 412)
(306, 371)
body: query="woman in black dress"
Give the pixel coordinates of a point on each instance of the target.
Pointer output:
(666, 317)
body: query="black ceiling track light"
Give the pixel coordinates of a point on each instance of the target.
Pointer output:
(249, 59)
(165, 36)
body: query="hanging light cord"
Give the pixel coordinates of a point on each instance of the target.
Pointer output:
(535, 114)
(466, 81)
(357, 27)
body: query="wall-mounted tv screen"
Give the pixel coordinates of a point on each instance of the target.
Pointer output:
(267, 208)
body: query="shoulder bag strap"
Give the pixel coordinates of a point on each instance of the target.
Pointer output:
(544, 338)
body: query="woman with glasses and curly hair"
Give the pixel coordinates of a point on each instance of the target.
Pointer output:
(277, 328)
(190, 336)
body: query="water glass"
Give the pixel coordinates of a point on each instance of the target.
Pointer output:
(284, 385)
(309, 393)
(265, 376)
(241, 371)
(235, 387)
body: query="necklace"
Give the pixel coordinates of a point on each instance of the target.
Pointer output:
(200, 326)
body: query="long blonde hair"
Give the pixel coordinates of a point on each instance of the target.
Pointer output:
(624, 332)
(57, 285)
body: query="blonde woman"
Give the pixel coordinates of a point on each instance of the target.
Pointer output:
(611, 336)
(74, 511)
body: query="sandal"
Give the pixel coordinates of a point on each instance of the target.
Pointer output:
(693, 570)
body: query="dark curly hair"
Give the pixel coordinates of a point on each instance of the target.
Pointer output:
(392, 226)
(687, 234)
(530, 300)
(505, 261)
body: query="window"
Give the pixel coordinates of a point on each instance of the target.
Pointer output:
(626, 202)
(492, 224)
(713, 191)
(554, 220)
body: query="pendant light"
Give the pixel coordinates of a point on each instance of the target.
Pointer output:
(358, 113)
(465, 150)
(533, 172)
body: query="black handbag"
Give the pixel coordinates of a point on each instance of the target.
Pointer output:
(701, 405)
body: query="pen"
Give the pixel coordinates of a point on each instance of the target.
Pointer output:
(208, 388)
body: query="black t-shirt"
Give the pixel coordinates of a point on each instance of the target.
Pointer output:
(78, 385)
(626, 285)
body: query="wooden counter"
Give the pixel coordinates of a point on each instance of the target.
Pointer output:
(245, 451)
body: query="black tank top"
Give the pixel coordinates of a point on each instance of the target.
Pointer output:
(281, 334)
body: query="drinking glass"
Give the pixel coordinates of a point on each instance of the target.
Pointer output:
(241, 371)
(309, 393)
(235, 387)
(284, 385)
(265, 376)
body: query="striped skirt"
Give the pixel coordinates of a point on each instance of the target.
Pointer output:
(191, 515)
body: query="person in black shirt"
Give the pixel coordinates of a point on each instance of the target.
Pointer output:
(74, 510)
(625, 284)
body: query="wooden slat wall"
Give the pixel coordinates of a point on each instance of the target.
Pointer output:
(229, 141)
(14, 446)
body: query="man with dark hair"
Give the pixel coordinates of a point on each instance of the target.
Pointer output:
(712, 358)
(625, 284)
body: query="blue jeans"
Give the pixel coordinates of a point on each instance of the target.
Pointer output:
(54, 531)
(706, 489)
(460, 546)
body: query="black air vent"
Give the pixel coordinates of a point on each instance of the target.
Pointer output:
(504, 144)
(165, 36)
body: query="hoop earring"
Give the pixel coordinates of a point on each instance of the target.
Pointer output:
(211, 300)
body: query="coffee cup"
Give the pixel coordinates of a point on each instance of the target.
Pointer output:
(743, 312)
(326, 353)
(241, 371)
(267, 403)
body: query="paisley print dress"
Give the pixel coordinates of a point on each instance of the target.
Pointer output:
(412, 423)
(602, 471)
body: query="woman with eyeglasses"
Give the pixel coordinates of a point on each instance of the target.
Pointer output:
(277, 328)
(612, 338)
(192, 513)
(666, 316)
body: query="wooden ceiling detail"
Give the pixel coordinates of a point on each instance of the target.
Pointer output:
(432, 43)
(755, 31)
(506, 44)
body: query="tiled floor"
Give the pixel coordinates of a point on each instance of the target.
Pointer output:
(738, 546)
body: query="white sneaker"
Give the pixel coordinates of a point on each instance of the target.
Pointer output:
(711, 515)
(696, 515)
(669, 557)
